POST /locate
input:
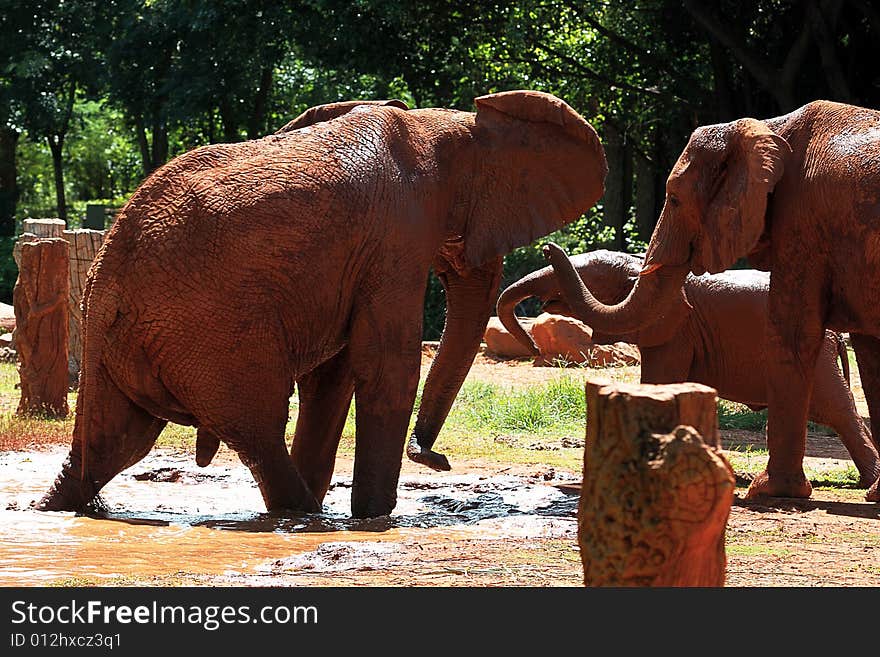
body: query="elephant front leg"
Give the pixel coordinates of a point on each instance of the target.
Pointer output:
(324, 399)
(792, 352)
(867, 350)
(385, 356)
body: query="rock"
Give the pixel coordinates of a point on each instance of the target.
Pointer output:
(562, 338)
(619, 353)
(567, 340)
(7, 316)
(501, 343)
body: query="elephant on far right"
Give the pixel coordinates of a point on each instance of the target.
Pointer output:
(802, 192)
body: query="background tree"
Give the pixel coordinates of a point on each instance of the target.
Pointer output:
(182, 74)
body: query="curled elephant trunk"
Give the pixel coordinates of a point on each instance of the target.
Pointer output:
(537, 284)
(658, 289)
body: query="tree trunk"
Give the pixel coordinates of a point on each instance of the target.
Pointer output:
(618, 183)
(656, 490)
(647, 211)
(160, 144)
(258, 114)
(143, 145)
(8, 181)
(227, 120)
(41, 315)
(56, 145)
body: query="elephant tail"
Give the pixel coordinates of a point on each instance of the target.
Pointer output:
(844, 357)
(100, 306)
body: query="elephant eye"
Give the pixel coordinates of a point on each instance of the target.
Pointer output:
(672, 199)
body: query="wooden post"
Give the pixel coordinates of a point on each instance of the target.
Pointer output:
(34, 228)
(84, 245)
(656, 490)
(40, 301)
(43, 227)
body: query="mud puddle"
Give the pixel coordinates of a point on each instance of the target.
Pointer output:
(166, 517)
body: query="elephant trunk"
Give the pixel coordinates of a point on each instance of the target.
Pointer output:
(469, 301)
(537, 284)
(657, 289)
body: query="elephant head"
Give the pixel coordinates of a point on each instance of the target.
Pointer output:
(610, 277)
(528, 165)
(330, 111)
(714, 213)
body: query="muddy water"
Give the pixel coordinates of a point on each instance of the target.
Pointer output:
(165, 516)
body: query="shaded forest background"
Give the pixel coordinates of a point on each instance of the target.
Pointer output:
(94, 95)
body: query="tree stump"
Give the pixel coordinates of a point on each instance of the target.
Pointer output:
(84, 245)
(41, 315)
(43, 227)
(656, 490)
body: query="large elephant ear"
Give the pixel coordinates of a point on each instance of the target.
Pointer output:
(734, 219)
(539, 166)
(332, 110)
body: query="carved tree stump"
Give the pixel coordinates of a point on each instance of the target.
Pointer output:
(41, 315)
(84, 245)
(33, 229)
(656, 491)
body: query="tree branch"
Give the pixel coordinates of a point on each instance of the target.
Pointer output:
(590, 74)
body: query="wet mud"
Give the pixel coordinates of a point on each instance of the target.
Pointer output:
(166, 520)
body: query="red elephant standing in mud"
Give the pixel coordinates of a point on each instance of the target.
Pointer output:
(802, 193)
(238, 269)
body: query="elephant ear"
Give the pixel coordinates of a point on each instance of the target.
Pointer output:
(330, 111)
(539, 165)
(734, 218)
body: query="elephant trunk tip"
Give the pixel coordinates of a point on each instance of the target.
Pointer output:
(426, 456)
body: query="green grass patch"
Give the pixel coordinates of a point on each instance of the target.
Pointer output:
(734, 550)
(838, 477)
(553, 408)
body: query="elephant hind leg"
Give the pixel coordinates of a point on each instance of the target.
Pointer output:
(120, 434)
(251, 421)
(259, 443)
(867, 350)
(324, 399)
(832, 404)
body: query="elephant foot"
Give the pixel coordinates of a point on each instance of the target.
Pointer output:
(868, 480)
(779, 486)
(69, 492)
(425, 456)
(873, 494)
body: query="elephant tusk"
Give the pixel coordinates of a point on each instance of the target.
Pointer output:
(650, 269)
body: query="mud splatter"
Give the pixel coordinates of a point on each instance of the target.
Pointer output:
(165, 517)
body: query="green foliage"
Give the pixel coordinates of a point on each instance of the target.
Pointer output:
(8, 269)
(120, 87)
(738, 416)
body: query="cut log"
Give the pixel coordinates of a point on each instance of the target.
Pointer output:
(84, 245)
(41, 315)
(43, 227)
(656, 490)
